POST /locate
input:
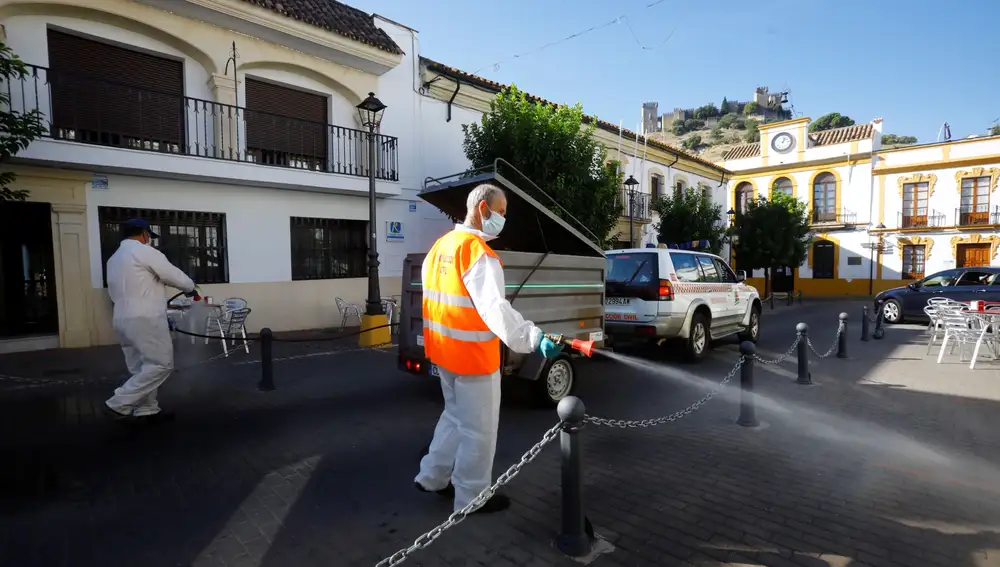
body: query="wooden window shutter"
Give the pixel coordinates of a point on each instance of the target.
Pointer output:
(285, 121)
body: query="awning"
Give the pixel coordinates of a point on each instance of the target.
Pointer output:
(530, 227)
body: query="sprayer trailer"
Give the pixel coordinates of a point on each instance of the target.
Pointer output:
(554, 277)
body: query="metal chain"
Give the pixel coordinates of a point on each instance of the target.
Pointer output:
(833, 347)
(781, 358)
(457, 517)
(636, 424)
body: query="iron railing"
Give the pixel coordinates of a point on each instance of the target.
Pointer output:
(90, 111)
(976, 215)
(920, 218)
(830, 215)
(639, 203)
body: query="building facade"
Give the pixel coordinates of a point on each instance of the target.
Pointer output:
(659, 169)
(232, 127)
(918, 210)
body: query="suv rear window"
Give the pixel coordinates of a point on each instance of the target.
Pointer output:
(632, 269)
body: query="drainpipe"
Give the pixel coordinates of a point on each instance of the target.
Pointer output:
(458, 85)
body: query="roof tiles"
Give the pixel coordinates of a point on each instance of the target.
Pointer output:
(842, 135)
(335, 17)
(742, 151)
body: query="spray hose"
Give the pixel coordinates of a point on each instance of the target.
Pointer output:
(585, 348)
(257, 337)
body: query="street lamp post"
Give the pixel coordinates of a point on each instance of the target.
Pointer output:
(871, 261)
(733, 237)
(630, 185)
(373, 323)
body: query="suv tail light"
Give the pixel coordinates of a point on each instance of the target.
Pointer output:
(666, 292)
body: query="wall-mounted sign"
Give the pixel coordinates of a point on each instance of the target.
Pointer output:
(99, 183)
(393, 231)
(413, 206)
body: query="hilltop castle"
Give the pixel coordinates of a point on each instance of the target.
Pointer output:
(770, 107)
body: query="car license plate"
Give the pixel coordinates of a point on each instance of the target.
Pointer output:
(435, 371)
(617, 300)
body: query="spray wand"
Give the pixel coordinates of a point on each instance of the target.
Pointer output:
(585, 348)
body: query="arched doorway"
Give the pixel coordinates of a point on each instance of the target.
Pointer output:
(824, 264)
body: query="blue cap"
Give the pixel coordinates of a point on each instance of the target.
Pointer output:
(141, 224)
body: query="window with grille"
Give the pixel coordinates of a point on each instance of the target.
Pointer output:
(975, 207)
(656, 186)
(326, 249)
(783, 185)
(915, 205)
(913, 261)
(825, 198)
(193, 241)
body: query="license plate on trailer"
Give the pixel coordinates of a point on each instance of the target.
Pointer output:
(617, 300)
(435, 371)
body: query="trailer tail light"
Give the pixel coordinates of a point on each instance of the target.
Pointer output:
(666, 291)
(645, 330)
(412, 366)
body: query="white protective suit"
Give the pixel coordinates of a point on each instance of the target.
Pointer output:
(136, 277)
(465, 438)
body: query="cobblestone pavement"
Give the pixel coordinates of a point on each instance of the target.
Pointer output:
(888, 461)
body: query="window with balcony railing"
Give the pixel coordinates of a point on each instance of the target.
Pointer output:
(975, 204)
(825, 198)
(915, 211)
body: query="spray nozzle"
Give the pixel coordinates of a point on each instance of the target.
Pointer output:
(585, 348)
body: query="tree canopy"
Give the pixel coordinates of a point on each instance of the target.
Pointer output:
(690, 216)
(551, 146)
(892, 139)
(778, 229)
(830, 121)
(18, 126)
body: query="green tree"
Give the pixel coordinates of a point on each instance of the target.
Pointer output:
(694, 124)
(690, 216)
(892, 139)
(995, 130)
(706, 112)
(550, 145)
(751, 108)
(830, 121)
(724, 107)
(753, 133)
(728, 120)
(716, 134)
(18, 127)
(679, 127)
(772, 233)
(692, 143)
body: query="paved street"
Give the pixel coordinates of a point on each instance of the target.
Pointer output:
(889, 460)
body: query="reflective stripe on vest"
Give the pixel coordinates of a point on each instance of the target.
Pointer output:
(455, 337)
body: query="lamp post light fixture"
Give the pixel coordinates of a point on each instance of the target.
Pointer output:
(630, 186)
(374, 325)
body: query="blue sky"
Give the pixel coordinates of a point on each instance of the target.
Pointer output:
(915, 63)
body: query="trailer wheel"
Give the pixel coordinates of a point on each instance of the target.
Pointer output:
(556, 381)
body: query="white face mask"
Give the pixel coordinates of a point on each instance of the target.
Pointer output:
(493, 225)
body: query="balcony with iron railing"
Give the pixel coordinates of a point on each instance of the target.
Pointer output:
(834, 216)
(977, 215)
(638, 203)
(921, 218)
(95, 112)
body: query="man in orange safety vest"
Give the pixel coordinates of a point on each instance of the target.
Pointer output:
(466, 316)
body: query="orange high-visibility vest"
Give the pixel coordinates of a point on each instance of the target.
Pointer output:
(455, 336)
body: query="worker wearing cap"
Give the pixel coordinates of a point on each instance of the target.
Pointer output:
(466, 315)
(137, 273)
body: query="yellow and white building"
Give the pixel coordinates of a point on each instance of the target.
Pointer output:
(878, 217)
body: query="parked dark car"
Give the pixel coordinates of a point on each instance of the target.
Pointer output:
(960, 284)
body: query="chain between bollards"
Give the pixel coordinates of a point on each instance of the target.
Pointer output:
(748, 411)
(842, 337)
(789, 297)
(573, 539)
(804, 377)
(266, 383)
(864, 323)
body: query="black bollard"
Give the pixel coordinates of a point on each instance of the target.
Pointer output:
(772, 299)
(879, 321)
(804, 377)
(572, 539)
(864, 323)
(266, 361)
(748, 412)
(800, 297)
(789, 297)
(842, 337)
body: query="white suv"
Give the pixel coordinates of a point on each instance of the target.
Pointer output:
(657, 294)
